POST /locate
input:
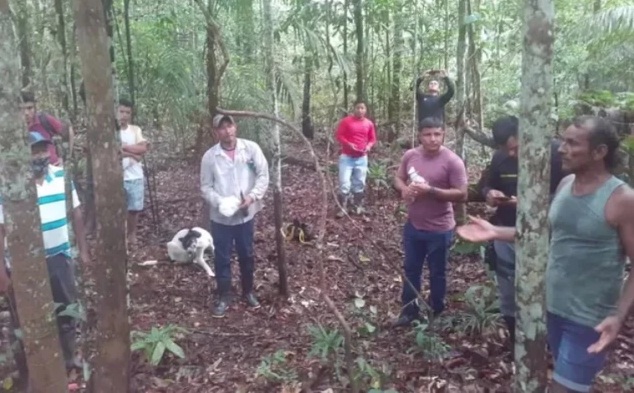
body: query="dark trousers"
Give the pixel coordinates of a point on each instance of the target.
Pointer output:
(418, 246)
(225, 236)
(61, 274)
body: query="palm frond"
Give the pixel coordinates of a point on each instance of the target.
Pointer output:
(613, 20)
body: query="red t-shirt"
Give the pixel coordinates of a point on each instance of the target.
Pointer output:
(357, 131)
(444, 170)
(56, 127)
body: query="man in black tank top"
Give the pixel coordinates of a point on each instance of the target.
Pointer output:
(586, 307)
(431, 103)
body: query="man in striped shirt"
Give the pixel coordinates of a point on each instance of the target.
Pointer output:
(52, 196)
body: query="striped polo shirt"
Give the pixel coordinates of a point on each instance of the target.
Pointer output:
(51, 200)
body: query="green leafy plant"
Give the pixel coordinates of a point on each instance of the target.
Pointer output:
(463, 247)
(73, 310)
(379, 177)
(275, 369)
(365, 316)
(428, 343)
(369, 376)
(481, 314)
(326, 343)
(154, 343)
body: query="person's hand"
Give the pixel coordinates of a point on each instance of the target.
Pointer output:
(5, 281)
(246, 203)
(419, 189)
(493, 197)
(407, 194)
(477, 230)
(609, 329)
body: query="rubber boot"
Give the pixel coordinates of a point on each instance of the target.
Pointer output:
(68, 339)
(343, 200)
(247, 291)
(358, 203)
(222, 303)
(510, 324)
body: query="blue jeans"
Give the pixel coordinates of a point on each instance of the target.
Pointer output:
(352, 174)
(575, 368)
(418, 246)
(224, 238)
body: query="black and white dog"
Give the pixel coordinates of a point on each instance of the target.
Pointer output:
(189, 246)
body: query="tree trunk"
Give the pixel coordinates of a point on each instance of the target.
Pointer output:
(24, 39)
(128, 40)
(346, 100)
(31, 282)
(112, 332)
(394, 113)
(533, 195)
(359, 59)
(307, 122)
(276, 167)
(61, 38)
(461, 208)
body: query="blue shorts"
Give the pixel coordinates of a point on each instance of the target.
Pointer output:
(134, 193)
(575, 368)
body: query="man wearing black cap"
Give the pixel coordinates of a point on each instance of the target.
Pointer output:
(51, 192)
(234, 176)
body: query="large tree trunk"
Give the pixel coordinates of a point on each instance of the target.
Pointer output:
(276, 167)
(533, 195)
(112, 331)
(22, 225)
(24, 37)
(461, 208)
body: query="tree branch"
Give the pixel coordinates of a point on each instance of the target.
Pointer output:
(479, 136)
(347, 342)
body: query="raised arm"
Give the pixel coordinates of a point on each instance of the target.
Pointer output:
(444, 99)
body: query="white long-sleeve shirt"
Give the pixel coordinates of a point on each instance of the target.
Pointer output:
(220, 177)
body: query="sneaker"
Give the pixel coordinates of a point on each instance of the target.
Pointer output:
(404, 320)
(252, 301)
(220, 308)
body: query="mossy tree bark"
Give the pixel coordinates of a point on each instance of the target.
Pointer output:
(533, 195)
(31, 285)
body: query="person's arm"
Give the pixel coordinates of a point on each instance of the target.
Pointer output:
(400, 178)
(261, 174)
(418, 82)
(458, 186)
(444, 99)
(342, 133)
(626, 234)
(78, 228)
(207, 180)
(371, 137)
(140, 147)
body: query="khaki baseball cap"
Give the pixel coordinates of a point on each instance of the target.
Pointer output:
(220, 118)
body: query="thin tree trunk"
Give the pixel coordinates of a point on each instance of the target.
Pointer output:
(276, 167)
(22, 224)
(359, 59)
(533, 190)
(128, 40)
(461, 208)
(112, 331)
(24, 37)
(307, 123)
(61, 38)
(346, 6)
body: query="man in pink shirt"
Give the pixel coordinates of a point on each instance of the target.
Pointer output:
(44, 124)
(356, 136)
(430, 178)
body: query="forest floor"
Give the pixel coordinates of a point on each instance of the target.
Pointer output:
(278, 348)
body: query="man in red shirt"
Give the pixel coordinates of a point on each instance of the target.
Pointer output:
(356, 136)
(44, 124)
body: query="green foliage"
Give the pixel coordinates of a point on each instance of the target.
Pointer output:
(481, 314)
(463, 247)
(154, 343)
(275, 369)
(428, 343)
(326, 343)
(378, 175)
(73, 310)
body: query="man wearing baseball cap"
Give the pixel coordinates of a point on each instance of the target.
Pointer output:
(51, 193)
(234, 176)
